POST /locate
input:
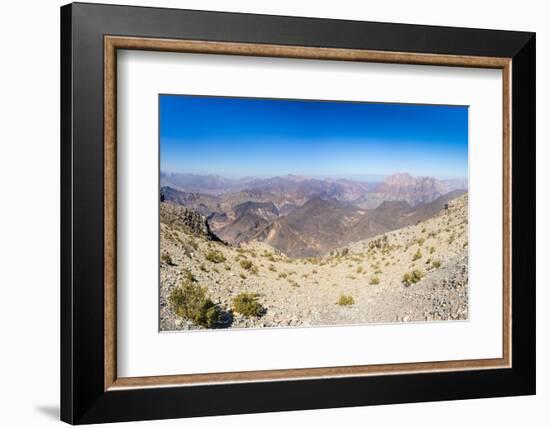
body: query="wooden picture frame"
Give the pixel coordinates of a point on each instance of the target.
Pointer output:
(91, 390)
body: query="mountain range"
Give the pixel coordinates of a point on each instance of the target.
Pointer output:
(302, 216)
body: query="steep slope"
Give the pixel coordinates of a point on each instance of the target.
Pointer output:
(404, 187)
(200, 202)
(391, 215)
(266, 210)
(312, 229)
(185, 220)
(250, 218)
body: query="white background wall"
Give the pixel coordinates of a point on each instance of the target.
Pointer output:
(29, 214)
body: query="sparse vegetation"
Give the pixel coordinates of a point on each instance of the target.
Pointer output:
(219, 276)
(247, 304)
(246, 264)
(215, 257)
(413, 277)
(346, 300)
(166, 259)
(249, 266)
(293, 283)
(188, 276)
(189, 301)
(436, 264)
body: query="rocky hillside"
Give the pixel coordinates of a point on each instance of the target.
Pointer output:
(311, 229)
(323, 224)
(178, 219)
(415, 273)
(303, 217)
(404, 187)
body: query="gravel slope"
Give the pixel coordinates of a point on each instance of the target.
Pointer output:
(305, 292)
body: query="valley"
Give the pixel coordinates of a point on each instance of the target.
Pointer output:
(300, 251)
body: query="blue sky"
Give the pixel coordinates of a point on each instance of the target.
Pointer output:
(240, 137)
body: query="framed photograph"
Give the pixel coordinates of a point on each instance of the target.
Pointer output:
(266, 213)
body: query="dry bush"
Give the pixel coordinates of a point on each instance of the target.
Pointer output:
(346, 300)
(247, 304)
(189, 301)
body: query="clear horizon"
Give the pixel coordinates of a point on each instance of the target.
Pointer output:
(250, 137)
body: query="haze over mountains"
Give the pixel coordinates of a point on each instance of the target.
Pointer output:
(302, 216)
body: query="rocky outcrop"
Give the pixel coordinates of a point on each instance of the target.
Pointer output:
(186, 220)
(404, 187)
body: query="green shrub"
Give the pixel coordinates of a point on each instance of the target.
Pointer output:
(215, 257)
(189, 301)
(246, 264)
(293, 283)
(359, 269)
(283, 275)
(272, 268)
(247, 304)
(432, 250)
(203, 268)
(436, 264)
(374, 280)
(346, 300)
(345, 252)
(208, 314)
(188, 276)
(413, 277)
(417, 255)
(249, 266)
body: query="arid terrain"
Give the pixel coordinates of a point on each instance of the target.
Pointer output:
(294, 251)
